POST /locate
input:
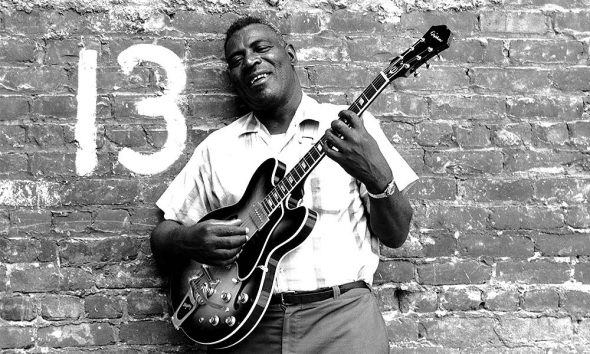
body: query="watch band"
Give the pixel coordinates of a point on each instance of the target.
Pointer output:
(389, 190)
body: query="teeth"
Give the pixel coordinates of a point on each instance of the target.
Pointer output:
(257, 77)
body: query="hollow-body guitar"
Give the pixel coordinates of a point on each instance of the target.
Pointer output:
(220, 306)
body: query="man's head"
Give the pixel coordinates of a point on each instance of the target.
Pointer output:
(261, 65)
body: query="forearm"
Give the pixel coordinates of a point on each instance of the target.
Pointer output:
(390, 219)
(164, 246)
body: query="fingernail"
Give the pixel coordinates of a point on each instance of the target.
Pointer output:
(247, 230)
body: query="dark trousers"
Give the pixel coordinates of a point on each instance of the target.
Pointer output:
(349, 323)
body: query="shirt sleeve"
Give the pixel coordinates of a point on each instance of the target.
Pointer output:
(403, 174)
(188, 198)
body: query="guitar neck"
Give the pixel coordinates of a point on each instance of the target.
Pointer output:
(311, 159)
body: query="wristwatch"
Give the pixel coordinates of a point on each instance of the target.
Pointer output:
(389, 190)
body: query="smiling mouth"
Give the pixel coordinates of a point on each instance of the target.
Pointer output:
(258, 78)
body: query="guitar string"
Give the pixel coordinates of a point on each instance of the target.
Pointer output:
(269, 204)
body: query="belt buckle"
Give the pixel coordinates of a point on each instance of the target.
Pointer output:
(282, 296)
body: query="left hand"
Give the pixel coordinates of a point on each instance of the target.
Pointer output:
(353, 148)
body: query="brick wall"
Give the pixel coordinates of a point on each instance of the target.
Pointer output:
(498, 130)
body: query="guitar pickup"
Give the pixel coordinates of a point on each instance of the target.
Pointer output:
(258, 216)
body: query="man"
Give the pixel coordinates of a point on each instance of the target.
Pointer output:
(327, 305)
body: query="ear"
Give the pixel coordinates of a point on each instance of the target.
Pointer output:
(291, 53)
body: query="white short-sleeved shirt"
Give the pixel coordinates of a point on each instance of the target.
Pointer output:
(340, 248)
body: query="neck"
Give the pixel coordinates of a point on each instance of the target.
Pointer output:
(277, 119)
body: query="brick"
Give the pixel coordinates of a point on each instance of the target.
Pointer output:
(17, 308)
(439, 78)
(72, 221)
(580, 133)
(572, 21)
(116, 46)
(76, 335)
(144, 220)
(324, 76)
(476, 136)
(44, 164)
(213, 106)
(110, 79)
(46, 136)
(380, 49)
(464, 162)
(345, 21)
(461, 299)
(78, 278)
(398, 133)
(539, 160)
(101, 306)
(467, 107)
(394, 271)
(63, 51)
(510, 80)
(61, 307)
(417, 301)
(130, 136)
(199, 78)
(550, 135)
(22, 22)
(540, 300)
(459, 332)
(514, 22)
(191, 22)
(150, 332)
(11, 136)
(497, 190)
(111, 192)
(582, 272)
(531, 218)
(546, 51)
(3, 278)
(464, 22)
(451, 273)
(13, 107)
(467, 51)
(142, 274)
(512, 135)
(296, 22)
(562, 245)
(517, 331)
(13, 164)
(34, 278)
(144, 304)
(321, 47)
(29, 193)
(451, 218)
(22, 50)
(386, 298)
(16, 337)
(21, 250)
(55, 107)
(205, 49)
(412, 248)
(46, 79)
(111, 220)
(562, 190)
(502, 245)
(501, 300)
(534, 272)
(572, 79)
(438, 244)
(435, 134)
(578, 217)
(397, 104)
(433, 189)
(113, 249)
(400, 330)
(562, 108)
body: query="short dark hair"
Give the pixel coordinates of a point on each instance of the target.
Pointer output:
(250, 20)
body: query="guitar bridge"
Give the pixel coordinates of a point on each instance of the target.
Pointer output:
(199, 290)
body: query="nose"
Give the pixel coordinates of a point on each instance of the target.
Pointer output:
(252, 59)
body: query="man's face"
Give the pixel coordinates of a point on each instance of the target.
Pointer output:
(260, 67)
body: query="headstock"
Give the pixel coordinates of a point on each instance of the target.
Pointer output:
(431, 44)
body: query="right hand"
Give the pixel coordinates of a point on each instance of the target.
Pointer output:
(213, 242)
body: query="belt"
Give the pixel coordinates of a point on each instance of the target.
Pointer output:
(305, 297)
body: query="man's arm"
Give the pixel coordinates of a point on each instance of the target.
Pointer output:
(212, 242)
(353, 148)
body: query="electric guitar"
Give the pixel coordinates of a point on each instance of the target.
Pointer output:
(220, 306)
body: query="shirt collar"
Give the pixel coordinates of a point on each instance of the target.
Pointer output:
(305, 113)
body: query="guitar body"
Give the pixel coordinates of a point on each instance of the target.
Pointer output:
(220, 306)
